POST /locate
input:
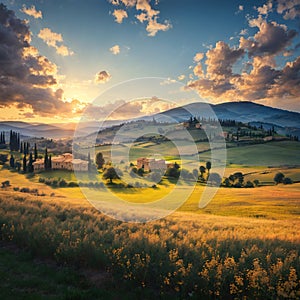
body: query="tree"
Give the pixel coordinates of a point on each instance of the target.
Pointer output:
(278, 178)
(24, 164)
(30, 165)
(46, 159)
(50, 163)
(214, 179)
(99, 160)
(110, 174)
(202, 170)
(35, 152)
(173, 172)
(287, 180)
(140, 172)
(176, 165)
(208, 166)
(89, 162)
(12, 161)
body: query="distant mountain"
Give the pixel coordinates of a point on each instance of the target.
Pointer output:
(239, 111)
(289, 122)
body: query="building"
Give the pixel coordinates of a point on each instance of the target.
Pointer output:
(151, 164)
(63, 162)
(38, 165)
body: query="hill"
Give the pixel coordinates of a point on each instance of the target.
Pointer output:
(240, 111)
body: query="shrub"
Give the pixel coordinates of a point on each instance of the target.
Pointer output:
(73, 184)
(41, 180)
(249, 184)
(278, 178)
(287, 180)
(62, 183)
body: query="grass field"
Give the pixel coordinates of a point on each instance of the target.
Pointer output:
(279, 153)
(243, 245)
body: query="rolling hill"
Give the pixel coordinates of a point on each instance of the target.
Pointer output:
(288, 121)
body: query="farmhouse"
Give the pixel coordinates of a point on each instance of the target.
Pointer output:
(151, 164)
(63, 162)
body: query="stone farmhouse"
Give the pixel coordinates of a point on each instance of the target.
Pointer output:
(63, 162)
(151, 164)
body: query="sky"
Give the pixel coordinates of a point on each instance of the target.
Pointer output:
(57, 57)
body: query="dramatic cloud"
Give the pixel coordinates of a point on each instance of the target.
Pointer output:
(27, 79)
(250, 71)
(115, 50)
(52, 39)
(271, 39)
(289, 8)
(102, 77)
(31, 11)
(146, 14)
(119, 15)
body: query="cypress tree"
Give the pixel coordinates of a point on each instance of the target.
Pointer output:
(21, 147)
(89, 162)
(10, 140)
(30, 165)
(24, 164)
(46, 159)
(35, 152)
(18, 142)
(50, 163)
(12, 161)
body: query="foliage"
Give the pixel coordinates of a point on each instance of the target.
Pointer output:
(99, 160)
(172, 172)
(278, 178)
(110, 174)
(287, 180)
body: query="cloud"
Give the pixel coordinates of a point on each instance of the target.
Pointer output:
(265, 9)
(52, 39)
(119, 15)
(241, 7)
(181, 77)
(122, 110)
(243, 32)
(31, 11)
(153, 26)
(259, 77)
(102, 77)
(289, 8)
(168, 81)
(271, 39)
(27, 79)
(199, 56)
(115, 50)
(146, 14)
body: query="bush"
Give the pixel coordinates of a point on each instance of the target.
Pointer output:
(73, 184)
(278, 178)
(249, 184)
(16, 188)
(287, 180)
(41, 180)
(62, 183)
